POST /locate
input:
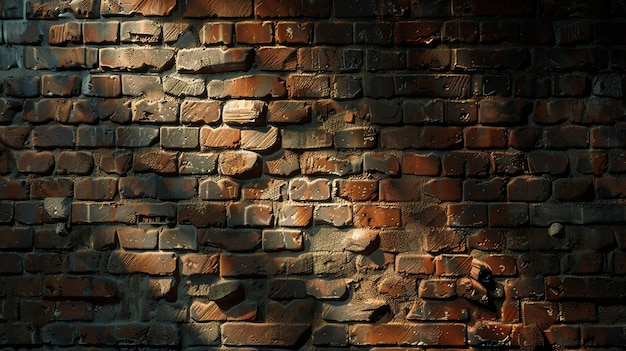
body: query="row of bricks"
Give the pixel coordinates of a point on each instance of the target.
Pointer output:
(238, 334)
(591, 240)
(266, 140)
(314, 163)
(219, 59)
(424, 32)
(262, 215)
(315, 9)
(604, 87)
(495, 189)
(319, 263)
(257, 113)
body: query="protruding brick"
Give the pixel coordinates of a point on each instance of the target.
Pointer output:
(213, 60)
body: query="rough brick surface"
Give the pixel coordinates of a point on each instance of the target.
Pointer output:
(312, 174)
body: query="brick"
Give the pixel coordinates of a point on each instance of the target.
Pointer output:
(357, 190)
(308, 86)
(59, 57)
(179, 137)
(574, 189)
(282, 239)
(529, 189)
(213, 8)
(449, 334)
(292, 215)
(315, 163)
(312, 139)
(136, 59)
(35, 162)
(202, 214)
(467, 215)
(423, 111)
(240, 164)
(115, 110)
(610, 187)
(333, 33)
(569, 58)
(257, 86)
(153, 263)
(601, 137)
(200, 112)
(197, 163)
(301, 189)
(183, 87)
(420, 32)
(254, 32)
(566, 137)
(100, 188)
(381, 162)
(250, 215)
(220, 137)
(222, 189)
(146, 111)
(471, 59)
(262, 334)
(600, 111)
(41, 111)
(228, 239)
(56, 85)
(421, 164)
(22, 32)
(492, 189)
(80, 287)
(443, 189)
(142, 31)
(379, 60)
(288, 112)
(276, 58)
(156, 161)
(293, 32)
(264, 189)
(128, 8)
(199, 264)
(335, 215)
(135, 136)
(54, 136)
(22, 87)
(135, 238)
(411, 263)
(445, 86)
(74, 162)
(180, 188)
(485, 137)
(213, 60)
(183, 237)
(558, 111)
(421, 137)
(100, 32)
(425, 310)
(376, 216)
(12, 263)
(216, 33)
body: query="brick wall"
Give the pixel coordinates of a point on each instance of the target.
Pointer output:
(314, 175)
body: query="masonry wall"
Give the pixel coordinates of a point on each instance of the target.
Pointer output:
(312, 175)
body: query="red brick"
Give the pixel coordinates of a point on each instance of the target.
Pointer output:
(485, 137)
(508, 214)
(153, 263)
(262, 334)
(276, 58)
(610, 187)
(127, 8)
(429, 310)
(411, 263)
(182, 237)
(545, 162)
(566, 137)
(470, 59)
(308, 86)
(357, 190)
(304, 190)
(240, 164)
(565, 336)
(152, 160)
(574, 189)
(222, 189)
(254, 215)
(231, 240)
(529, 189)
(423, 111)
(492, 189)
(14, 136)
(467, 215)
(376, 216)
(35, 162)
(250, 265)
(45, 110)
(135, 238)
(490, 334)
(254, 32)
(420, 164)
(213, 8)
(99, 189)
(446, 334)
(487, 240)
(290, 215)
(294, 32)
(316, 163)
(393, 190)
(80, 287)
(217, 33)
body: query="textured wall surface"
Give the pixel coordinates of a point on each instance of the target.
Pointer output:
(313, 175)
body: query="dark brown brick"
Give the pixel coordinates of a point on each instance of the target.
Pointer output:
(213, 8)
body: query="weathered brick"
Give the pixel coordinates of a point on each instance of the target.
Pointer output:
(223, 137)
(146, 111)
(183, 87)
(179, 137)
(250, 215)
(282, 239)
(22, 87)
(398, 334)
(213, 60)
(100, 32)
(179, 188)
(379, 60)
(22, 32)
(99, 189)
(157, 161)
(74, 162)
(293, 32)
(467, 215)
(476, 59)
(485, 137)
(445, 86)
(382, 162)
(287, 112)
(222, 189)
(421, 164)
(319, 162)
(569, 58)
(292, 215)
(312, 139)
(143, 31)
(301, 189)
(420, 32)
(229, 239)
(128, 8)
(53, 136)
(59, 57)
(136, 59)
(135, 136)
(153, 263)
(213, 8)
(35, 162)
(264, 334)
(63, 286)
(376, 216)
(58, 85)
(240, 164)
(257, 86)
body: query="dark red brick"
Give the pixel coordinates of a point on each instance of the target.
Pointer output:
(574, 189)
(492, 189)
(201, 8)
(377, 216)
(545, 162)
(485, 137)
(293, 32)
(254, 32)
(421, 32)
(333, 33)
(467, 215)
